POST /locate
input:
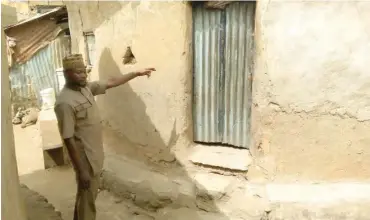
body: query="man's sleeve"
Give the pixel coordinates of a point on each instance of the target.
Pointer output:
(66, 120)
(97, 87)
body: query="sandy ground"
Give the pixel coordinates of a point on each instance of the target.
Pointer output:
(28, 149)
(59, 187)
(37, 206)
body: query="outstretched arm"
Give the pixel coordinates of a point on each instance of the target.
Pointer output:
(120, 80)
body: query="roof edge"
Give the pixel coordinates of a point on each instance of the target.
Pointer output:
(36, 17)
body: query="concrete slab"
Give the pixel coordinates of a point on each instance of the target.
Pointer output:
(55, 154)
(28, 149)
(199, 191)
(221, 156)
(344, 211)
(324, 193)
(220, 197)
(187, 214)
(48, 126)
(212, 185)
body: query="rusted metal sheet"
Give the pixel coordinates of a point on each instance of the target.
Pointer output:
(39, 72)
(51, 13)
(21, 87)
(223, 65)
(60, 48)
(34, 34)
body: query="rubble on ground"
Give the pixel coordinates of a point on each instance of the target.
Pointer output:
(26, 117)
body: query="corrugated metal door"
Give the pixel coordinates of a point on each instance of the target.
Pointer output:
(223, 65)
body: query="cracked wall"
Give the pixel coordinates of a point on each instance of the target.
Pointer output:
(152, 115)
(312, 89)
(311, 92)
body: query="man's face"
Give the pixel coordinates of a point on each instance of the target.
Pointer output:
(77, 77)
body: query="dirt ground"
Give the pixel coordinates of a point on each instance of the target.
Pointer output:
(37, 206)
(28, 149)
(58, 185)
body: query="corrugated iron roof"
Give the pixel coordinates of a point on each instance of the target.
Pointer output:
(39, 16)
(38, 33)
(39, 72)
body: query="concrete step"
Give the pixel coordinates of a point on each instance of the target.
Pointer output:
(222, 196)
(288, 211)
(325, 201)
(306, 211)
(191, 214)
(211, 196)
(220, 202)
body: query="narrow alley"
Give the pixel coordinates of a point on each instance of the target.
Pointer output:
(185, 110)
(58, 185)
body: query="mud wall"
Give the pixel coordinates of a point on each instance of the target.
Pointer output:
(151, 114)
(311, 92)
(312, 89)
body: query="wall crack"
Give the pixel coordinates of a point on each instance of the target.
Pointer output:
(337, 112)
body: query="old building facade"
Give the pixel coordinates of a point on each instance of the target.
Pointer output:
(288, 81)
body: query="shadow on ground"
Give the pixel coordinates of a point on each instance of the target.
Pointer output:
(157, 198)
(142, 140)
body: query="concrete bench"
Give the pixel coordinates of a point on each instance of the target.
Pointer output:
(54, 152)
(55, 156)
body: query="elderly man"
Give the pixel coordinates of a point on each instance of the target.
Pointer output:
(80, 127)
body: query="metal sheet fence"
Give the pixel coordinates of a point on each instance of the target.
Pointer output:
(38, 73)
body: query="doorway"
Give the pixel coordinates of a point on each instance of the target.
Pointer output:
(223, 69)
